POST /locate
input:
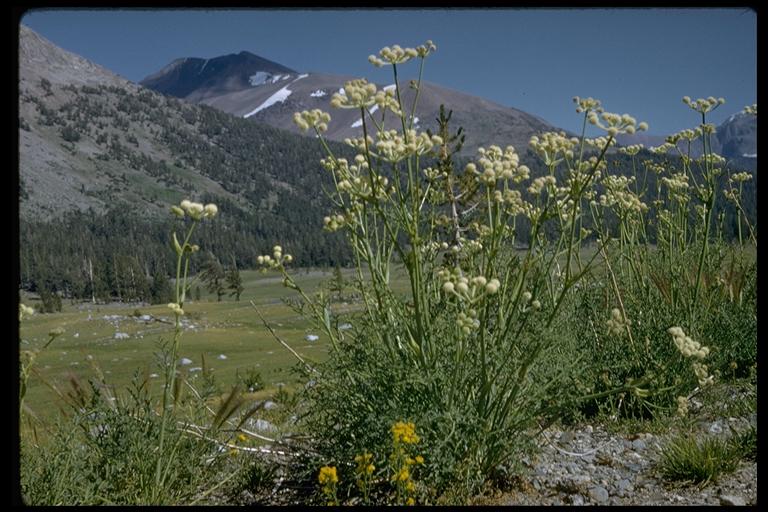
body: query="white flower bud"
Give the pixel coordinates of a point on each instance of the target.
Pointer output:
(211, 210)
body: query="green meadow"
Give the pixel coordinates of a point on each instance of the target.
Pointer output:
(94, 336)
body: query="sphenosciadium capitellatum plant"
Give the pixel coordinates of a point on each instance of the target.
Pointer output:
(667, 265)
(528, 293)
(468, 351)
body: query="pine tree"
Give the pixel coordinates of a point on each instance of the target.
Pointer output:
(160, 291)
(213, 275)
(234, 281)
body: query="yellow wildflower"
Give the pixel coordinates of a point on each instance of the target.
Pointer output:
(405, 433)
(402, 475)
(328, 475)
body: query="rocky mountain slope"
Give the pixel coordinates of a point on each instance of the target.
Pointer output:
(271, 95)
(89, 138)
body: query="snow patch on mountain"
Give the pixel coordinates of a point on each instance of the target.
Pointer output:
(359, 122)
(390, 87)
(749, 155)
(259, 78)
(318, 93)
(202, 68)
(279, 97)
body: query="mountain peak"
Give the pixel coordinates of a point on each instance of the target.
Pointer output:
(194, 78)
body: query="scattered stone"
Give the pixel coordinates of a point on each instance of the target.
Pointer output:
(121, 335)
(598, 494)
(716, 428)
(624, 485)
(566, 437)
(732, 501)
(311, 337)
(577, 500)
(264, 426)
(269, 405)
(638, 445)
(222, 357)
(184, 361)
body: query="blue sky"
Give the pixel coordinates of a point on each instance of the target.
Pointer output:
(638, 61)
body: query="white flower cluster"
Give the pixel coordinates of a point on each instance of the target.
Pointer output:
(682, 406)
(663, 149)
(56, 332)
(550, 145)
(617, 324)
(688, 134)
(713, 159)
(617, 193)
(751, 109)
(176, 309)
(386, 99)
(708, 128)
(703, 105)
(314, 118)
(195, 210)
(350, 179)
(391, 146)
(468, 321)
(600, 142)
(538, 185)
(393, 55)
(359, 143)
(334, 222)
(357, 94)
(587, 104)
(398, 55)
(702, 374)
(687, 346)
(677, 183)
(434, 174)
(741, 177)
(615, 124)
(276, 260)
(526, 297)
(25, 310)
(632, 149)
(512, 200)
(471, 290)
(498, 164)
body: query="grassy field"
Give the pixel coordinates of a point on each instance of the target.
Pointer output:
(212, 329)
